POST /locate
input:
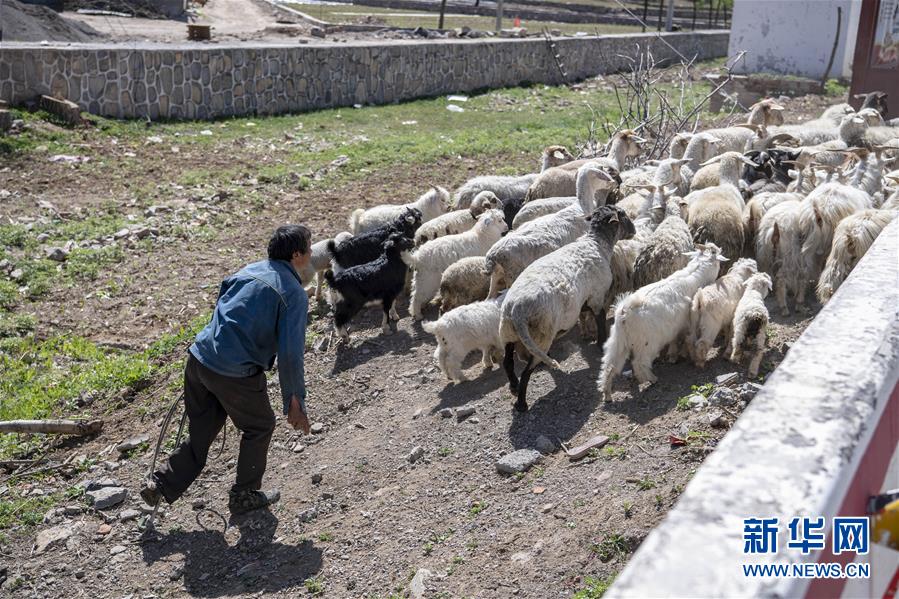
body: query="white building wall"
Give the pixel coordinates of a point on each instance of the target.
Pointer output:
(794, 37)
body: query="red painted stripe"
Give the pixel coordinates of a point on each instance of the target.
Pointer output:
(867, 480)
(891, 588)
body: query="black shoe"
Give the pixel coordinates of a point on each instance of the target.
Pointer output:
(241, 502)
(150, 493)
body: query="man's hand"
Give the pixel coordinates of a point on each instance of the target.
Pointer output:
(296, 417)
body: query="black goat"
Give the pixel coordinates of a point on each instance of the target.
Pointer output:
(367, 246)
(378, 281)
(876, 100)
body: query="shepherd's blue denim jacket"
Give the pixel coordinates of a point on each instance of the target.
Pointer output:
(260, 313)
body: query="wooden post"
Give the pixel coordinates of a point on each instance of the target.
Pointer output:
(59, 427)
(659, 20)
(499, 15)
(669, 19)
(693, 25)
(645, 14)
(442, 11)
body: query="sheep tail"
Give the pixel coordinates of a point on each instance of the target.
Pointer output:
(489, 265)
(521, 329)
(430, 327)
(329, 277)
(754, 324)
(356, 220)
(332, 248)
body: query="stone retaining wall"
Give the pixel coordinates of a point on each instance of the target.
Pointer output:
(199, 81)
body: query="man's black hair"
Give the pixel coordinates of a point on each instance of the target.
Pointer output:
(288, 240)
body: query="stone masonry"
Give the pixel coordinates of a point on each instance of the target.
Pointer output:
(202, 81)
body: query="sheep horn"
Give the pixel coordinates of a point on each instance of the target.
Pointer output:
(781, 137)
(884, 148)
(711, 161)
(756, 128)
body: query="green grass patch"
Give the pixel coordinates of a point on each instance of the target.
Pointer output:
(610, 547)
(594, 588)
(16, 510)
(44, 377)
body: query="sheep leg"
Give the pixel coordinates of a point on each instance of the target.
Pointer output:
(757, 355)
(393, 313)
(318, 286)
(509, 365)
(780, 291)
(643, 369)
(495, 281)
(673, 352)
(454, 367)
(522, 405)
(385, 321)
(800, 297)
(487, 358)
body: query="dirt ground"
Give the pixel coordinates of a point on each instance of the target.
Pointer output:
(357, 518)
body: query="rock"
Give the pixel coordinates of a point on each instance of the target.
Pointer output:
(299, 448)
(321, 345)
(545, 445)
(121, 233)
(464, 412)
(57, 254)
(91, 485)
(716, 419)
(748, 391)
(42, 237)
(723, 396)
(17, 274)
(308, 515)
(198, 504)
(132, 443)
(141, 232)
(106, 497)
(473, 420)
(446, 413)
(52, 536)
(418, 586)
(104, 529)
(518, 461)
(117, 550)
(176, 573)
(521, 558)
(416, 454)
(726, 379)
(546, 507)
(317, 428)
(316, 478)
(126, 515)
(698, 401)
(317, 32)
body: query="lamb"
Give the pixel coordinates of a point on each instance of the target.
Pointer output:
(765, 113)
(508, 257)
(851, 239)
(819, 215)
(754, 211)
(367, 246)
(715, 214)
(431, 205)
(457, 221)
(549, 295)
(654, 317)
(665, 249)
(319, 262)
(778, 250)
(712, 311)
(378, 281)
(562, 181)
(750, 322)
(463, 330)
(464, 282)
(434, 257)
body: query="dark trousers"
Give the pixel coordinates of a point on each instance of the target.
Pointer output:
(209, 398)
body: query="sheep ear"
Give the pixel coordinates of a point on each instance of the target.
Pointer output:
(711, 161)
(614, 218)
(721, 258)
(858, 96)
(691, 254)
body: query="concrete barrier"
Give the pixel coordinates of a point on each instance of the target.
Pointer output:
(817, 440)
(195, 80)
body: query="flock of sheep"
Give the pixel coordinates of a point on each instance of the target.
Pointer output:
(518, 260)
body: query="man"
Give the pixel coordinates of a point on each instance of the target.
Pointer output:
(260, 313)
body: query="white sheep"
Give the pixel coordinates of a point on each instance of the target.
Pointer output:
(463, 330)
(851, 239)
(505, 187)
(750, 322)
(754, 211)
(778, 250)
(820, 213)
(702, 148)
(664, 251)
(434, 257)
(712, 311)
(561, 181)
(319, 262)
(432, 204)
(653, 317)
(464, 282)
(542, 207)
(510, 255)
(548, 297)
(457, 221)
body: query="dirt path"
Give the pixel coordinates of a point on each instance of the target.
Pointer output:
(230, 20)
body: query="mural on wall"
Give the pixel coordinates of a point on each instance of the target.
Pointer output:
(885, 53)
